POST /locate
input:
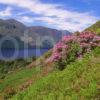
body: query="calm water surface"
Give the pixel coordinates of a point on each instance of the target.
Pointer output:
(22, 53)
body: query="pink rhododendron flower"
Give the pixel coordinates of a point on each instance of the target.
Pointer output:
(65, 46)
(68, 39)
(84, 45)
(86, 40)
(96, 39)
(87, 35)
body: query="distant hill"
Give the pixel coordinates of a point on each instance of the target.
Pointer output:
(35, 36)
(11, 27)
(45, 36)
(95, 27)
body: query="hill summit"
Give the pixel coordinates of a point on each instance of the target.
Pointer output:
(95, 28)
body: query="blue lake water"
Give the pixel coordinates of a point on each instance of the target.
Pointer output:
(7, 54)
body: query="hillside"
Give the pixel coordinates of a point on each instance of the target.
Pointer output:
(95, 28)
(80, 80)
(74, 75)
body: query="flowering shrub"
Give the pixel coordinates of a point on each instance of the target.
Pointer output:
(72, 47)
(68, 39)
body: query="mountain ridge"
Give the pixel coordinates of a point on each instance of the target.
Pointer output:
(14, 28)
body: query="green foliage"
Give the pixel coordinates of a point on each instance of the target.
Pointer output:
(11, 82)
(17, 78)
(98, 31)
(75, 48)
(10, 66)
(78, 81)
(71, 56)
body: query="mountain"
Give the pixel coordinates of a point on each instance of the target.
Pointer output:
(35, 36)
(95, 28)
(11, 30)
(11, 27)
(43, 35)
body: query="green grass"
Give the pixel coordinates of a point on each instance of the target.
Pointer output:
(17, 78)
(79, 81)
(10, 66)
(95, 28)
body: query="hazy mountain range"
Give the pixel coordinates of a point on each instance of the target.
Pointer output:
(34, 36)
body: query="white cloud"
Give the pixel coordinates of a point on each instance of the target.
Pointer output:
(26, 19)
(6, 12)
(54, 14)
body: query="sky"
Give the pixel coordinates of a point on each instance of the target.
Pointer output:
(71, 15)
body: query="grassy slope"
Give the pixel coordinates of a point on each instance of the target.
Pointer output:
(95, 27)
(15, 79)
(18, 78)
(79, 81)
(10, 66)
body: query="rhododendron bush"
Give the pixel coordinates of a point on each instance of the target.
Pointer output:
(73, 47)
